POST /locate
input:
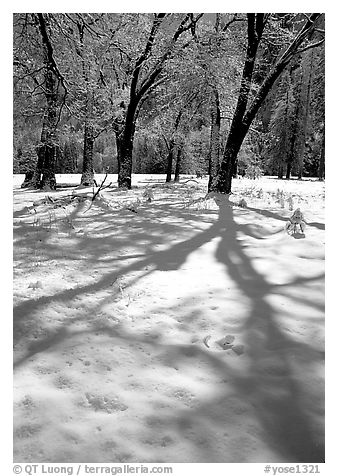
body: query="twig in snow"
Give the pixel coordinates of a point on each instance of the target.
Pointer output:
(205, 341)
(190, 180)
(101, 187)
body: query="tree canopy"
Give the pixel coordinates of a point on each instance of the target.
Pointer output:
(217, 94)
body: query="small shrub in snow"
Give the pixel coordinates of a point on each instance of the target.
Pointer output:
(36, 285)
(290, 202)
(280, 195)
(295, 221)
(133, 206)
(148, 195)
(242, 203)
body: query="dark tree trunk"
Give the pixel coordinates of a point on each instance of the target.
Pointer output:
(305, 115)
(36, 179)
(118, 151)
(118, 128)
(172, 144)
(178, 165)
(214, 142)
(321, 168)
(28, 179)
(238, 128)
(296, 133)
(227, 168)
(44, 175)
(288, 170)
(280, 172)
(170, 161)
(127, 142)
(48, 181)
(235, 169)
(87, 177)
(48, 148)
(140, 88)
(301, 167)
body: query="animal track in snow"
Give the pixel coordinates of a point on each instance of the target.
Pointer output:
(103, 403)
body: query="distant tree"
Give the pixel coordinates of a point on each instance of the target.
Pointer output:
(70, 156)
(321, 166)
(317, 106)
(172, 144)
(220, 59)
(282, 127)
(304, 98)
(91, 42)
(24, 162)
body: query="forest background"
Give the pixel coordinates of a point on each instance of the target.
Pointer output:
(219, 94)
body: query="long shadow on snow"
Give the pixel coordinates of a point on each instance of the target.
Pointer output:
(268, 214)
(278, 404)
(157, 232)
(149, 228)
(269, 385)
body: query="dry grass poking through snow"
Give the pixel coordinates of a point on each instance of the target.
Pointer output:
(175, 329)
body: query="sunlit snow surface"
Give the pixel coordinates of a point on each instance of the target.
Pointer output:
(121, 311)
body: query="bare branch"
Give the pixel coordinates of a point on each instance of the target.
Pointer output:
(101, 187)
(312, 45)
(302, 35)
(233, 20)
(151, 77)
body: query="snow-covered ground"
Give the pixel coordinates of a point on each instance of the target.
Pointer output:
(179, 329)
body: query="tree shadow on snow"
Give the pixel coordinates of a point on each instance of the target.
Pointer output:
(278, 401)
(269, 385)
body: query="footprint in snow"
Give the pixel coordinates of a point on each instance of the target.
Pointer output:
(226, 343)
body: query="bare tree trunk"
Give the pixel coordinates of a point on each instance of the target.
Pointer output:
(170, 159)
(127, 142)
(118, 128)
(296, 131)
(227, 168)
(321, 168)
(306, 116)
(118, 151)
(28, 180)
(48, 148)
(178, 165)
(214, 142)
(139, 87)
(280, 172)
(172, 146)
(87, 177)
(288, 170)
(238, 128)
(36, 179)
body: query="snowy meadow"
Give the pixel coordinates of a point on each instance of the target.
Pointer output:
(159, 324)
